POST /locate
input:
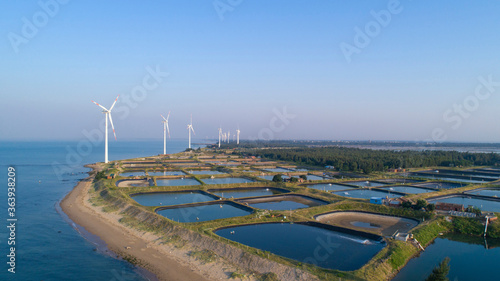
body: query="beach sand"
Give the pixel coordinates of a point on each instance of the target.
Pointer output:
(163, 260)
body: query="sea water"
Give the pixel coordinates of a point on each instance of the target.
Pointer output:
(48, 246)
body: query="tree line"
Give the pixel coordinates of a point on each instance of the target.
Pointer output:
(368, 160)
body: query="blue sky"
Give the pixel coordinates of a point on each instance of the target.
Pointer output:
(240, 66)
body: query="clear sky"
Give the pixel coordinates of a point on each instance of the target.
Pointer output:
(341, 70)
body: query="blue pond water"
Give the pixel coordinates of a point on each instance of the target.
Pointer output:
(204, 212)
(279, 205)
(365, 194)
(171, 198)
(469, 260)
(308, 244)
(278, 170)
(315, 178)
(447, 178)
(365, 183)
(167, 173)
(270, 177)
(484, 205)
(132, 174)
(177, 182)
(329, 187)
(205, 172)
(226, 180)
(244, 192)
(445, 185)
(408, 189)
(487, 192)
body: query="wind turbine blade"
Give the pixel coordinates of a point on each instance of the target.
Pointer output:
(168, 131)
(113, 105)
(113, 127)
(100, 105)
(192, 129)
(168, 115)
(163, 117)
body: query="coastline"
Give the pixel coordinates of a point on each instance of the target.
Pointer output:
(164, 261)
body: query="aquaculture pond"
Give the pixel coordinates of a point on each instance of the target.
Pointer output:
(245, 192)
(278, 170)
(448, 178)
(167, 173)
(444, 185)
(315, 178)
(133, 174)
(205, 172)
(487, 192)
(205, 212)
(176, 182)
(329, 186)
(270, 177)
(171, 198)
(407, 189)
(471, 258)
(226, 180)
(366, 194)
(484, 205)
(308, 244)
(286, 202)
(365, 183)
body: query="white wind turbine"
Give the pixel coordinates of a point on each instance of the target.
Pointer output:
(108, 114)
(165, 131)
(220, 134)
(238, 136)
(190, 128)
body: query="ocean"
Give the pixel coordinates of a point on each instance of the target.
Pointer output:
(48, 245)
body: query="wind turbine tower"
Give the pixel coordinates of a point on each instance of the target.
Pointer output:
(165, 131)
(190, 128)
(238, 136)
(228, 136)
(107, 112)
(220, 134)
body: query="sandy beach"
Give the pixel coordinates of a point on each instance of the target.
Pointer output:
(163, 260)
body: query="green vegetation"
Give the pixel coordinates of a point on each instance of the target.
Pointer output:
(439, 272)
(205, 256)
(367, 160)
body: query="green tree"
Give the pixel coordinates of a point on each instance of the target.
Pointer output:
(294, 179)
(439, 272)
(277, 178)
(406, 204)
(304, 177)
(421, 203)
(431, 207)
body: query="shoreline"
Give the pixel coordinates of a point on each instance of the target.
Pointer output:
(163, 261)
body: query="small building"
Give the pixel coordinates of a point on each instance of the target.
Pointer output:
(377, 200)
(402, 236)
(112, 176)
(449, 207)
(395, 203)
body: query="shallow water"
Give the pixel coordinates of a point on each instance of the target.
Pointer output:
(204, 212)
(329, 187)
(177, 182)
(484, 205)
(167, 173)
(226, 180)
(407, 189)
(171, 198)
(245, 192)
(365, 193)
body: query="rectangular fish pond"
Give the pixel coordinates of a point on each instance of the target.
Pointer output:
(330, 186)
(278, 170)
(172, 198)
(366, 193)
(205, 172)
(177, 182)
(365, 183)
(133, 174)
(226, 180)
(492, 192)
(283, 202)
(439, 185)
(408, 189)
(325, 246)
(270, 177)
(315, 178)
(167, 173)
(205, 212)
(483, 204)
(247, 192)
